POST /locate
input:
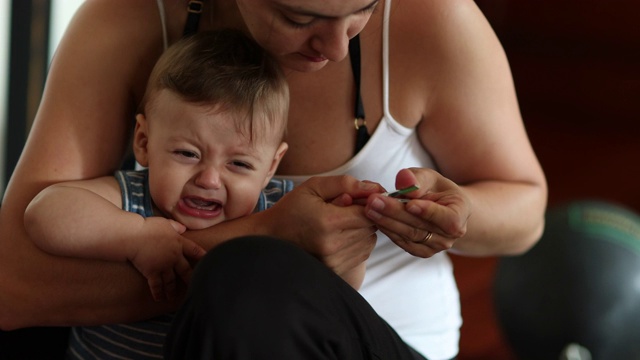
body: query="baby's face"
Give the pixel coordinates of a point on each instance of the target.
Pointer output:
(202, 171)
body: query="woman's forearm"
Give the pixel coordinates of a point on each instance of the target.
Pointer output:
(50, 290)
(506, 218)
(38, 289)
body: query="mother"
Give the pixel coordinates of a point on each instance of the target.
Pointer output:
(439, 101)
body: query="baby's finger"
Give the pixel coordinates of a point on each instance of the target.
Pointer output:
(155, 285)
(177, 226)
(391, 214)
(330, 187)
(342, 200)
(169, 282)
(192, 250)
(183, 269)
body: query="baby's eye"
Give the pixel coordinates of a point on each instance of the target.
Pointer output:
(241, 164)
(186, 153)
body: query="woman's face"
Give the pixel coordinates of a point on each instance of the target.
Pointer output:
(305, 34)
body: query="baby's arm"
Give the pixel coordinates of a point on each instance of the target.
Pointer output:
(78, 219)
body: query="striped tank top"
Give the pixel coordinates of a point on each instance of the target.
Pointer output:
(145, 339)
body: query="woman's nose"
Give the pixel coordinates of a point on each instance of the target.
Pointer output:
(332, 42)
(208, 178)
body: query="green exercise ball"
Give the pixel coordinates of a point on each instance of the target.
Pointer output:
(576, 294)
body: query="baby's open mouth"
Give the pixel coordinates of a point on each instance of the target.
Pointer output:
(202, 204)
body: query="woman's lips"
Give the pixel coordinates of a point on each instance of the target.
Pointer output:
(314, 58)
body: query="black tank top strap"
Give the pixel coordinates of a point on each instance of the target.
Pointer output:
(362, 135)
(194, 9)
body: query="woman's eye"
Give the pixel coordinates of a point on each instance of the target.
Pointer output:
(299, 24)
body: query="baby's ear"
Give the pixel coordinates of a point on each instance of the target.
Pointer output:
(282, 149)
(141, 140)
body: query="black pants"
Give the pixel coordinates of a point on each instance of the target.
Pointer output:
(258, 298)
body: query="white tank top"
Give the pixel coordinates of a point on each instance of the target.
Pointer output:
(417, 297)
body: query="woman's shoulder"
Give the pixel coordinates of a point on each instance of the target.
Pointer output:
(118, 11)
(435, 46)
(137, 19)
(432, 36)
(433, 22)
(112, 44)
(431, 9)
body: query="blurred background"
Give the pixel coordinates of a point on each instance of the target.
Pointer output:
(29, 34)
(576, 68)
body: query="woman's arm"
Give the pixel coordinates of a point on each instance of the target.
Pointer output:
(339, 236)
(489, 194)
(479, 140)
(81, 131)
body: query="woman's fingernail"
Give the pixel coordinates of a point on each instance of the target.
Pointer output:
(366, 185)
(377, 204)
(415, 210)
(374, 215)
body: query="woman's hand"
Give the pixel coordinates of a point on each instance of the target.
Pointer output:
(431, 221)
(320, 216)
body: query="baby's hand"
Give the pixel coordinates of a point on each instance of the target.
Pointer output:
(161, 252)
(347, 200)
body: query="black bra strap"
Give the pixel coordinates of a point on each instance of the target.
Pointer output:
(362, 135)
(194, 9)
